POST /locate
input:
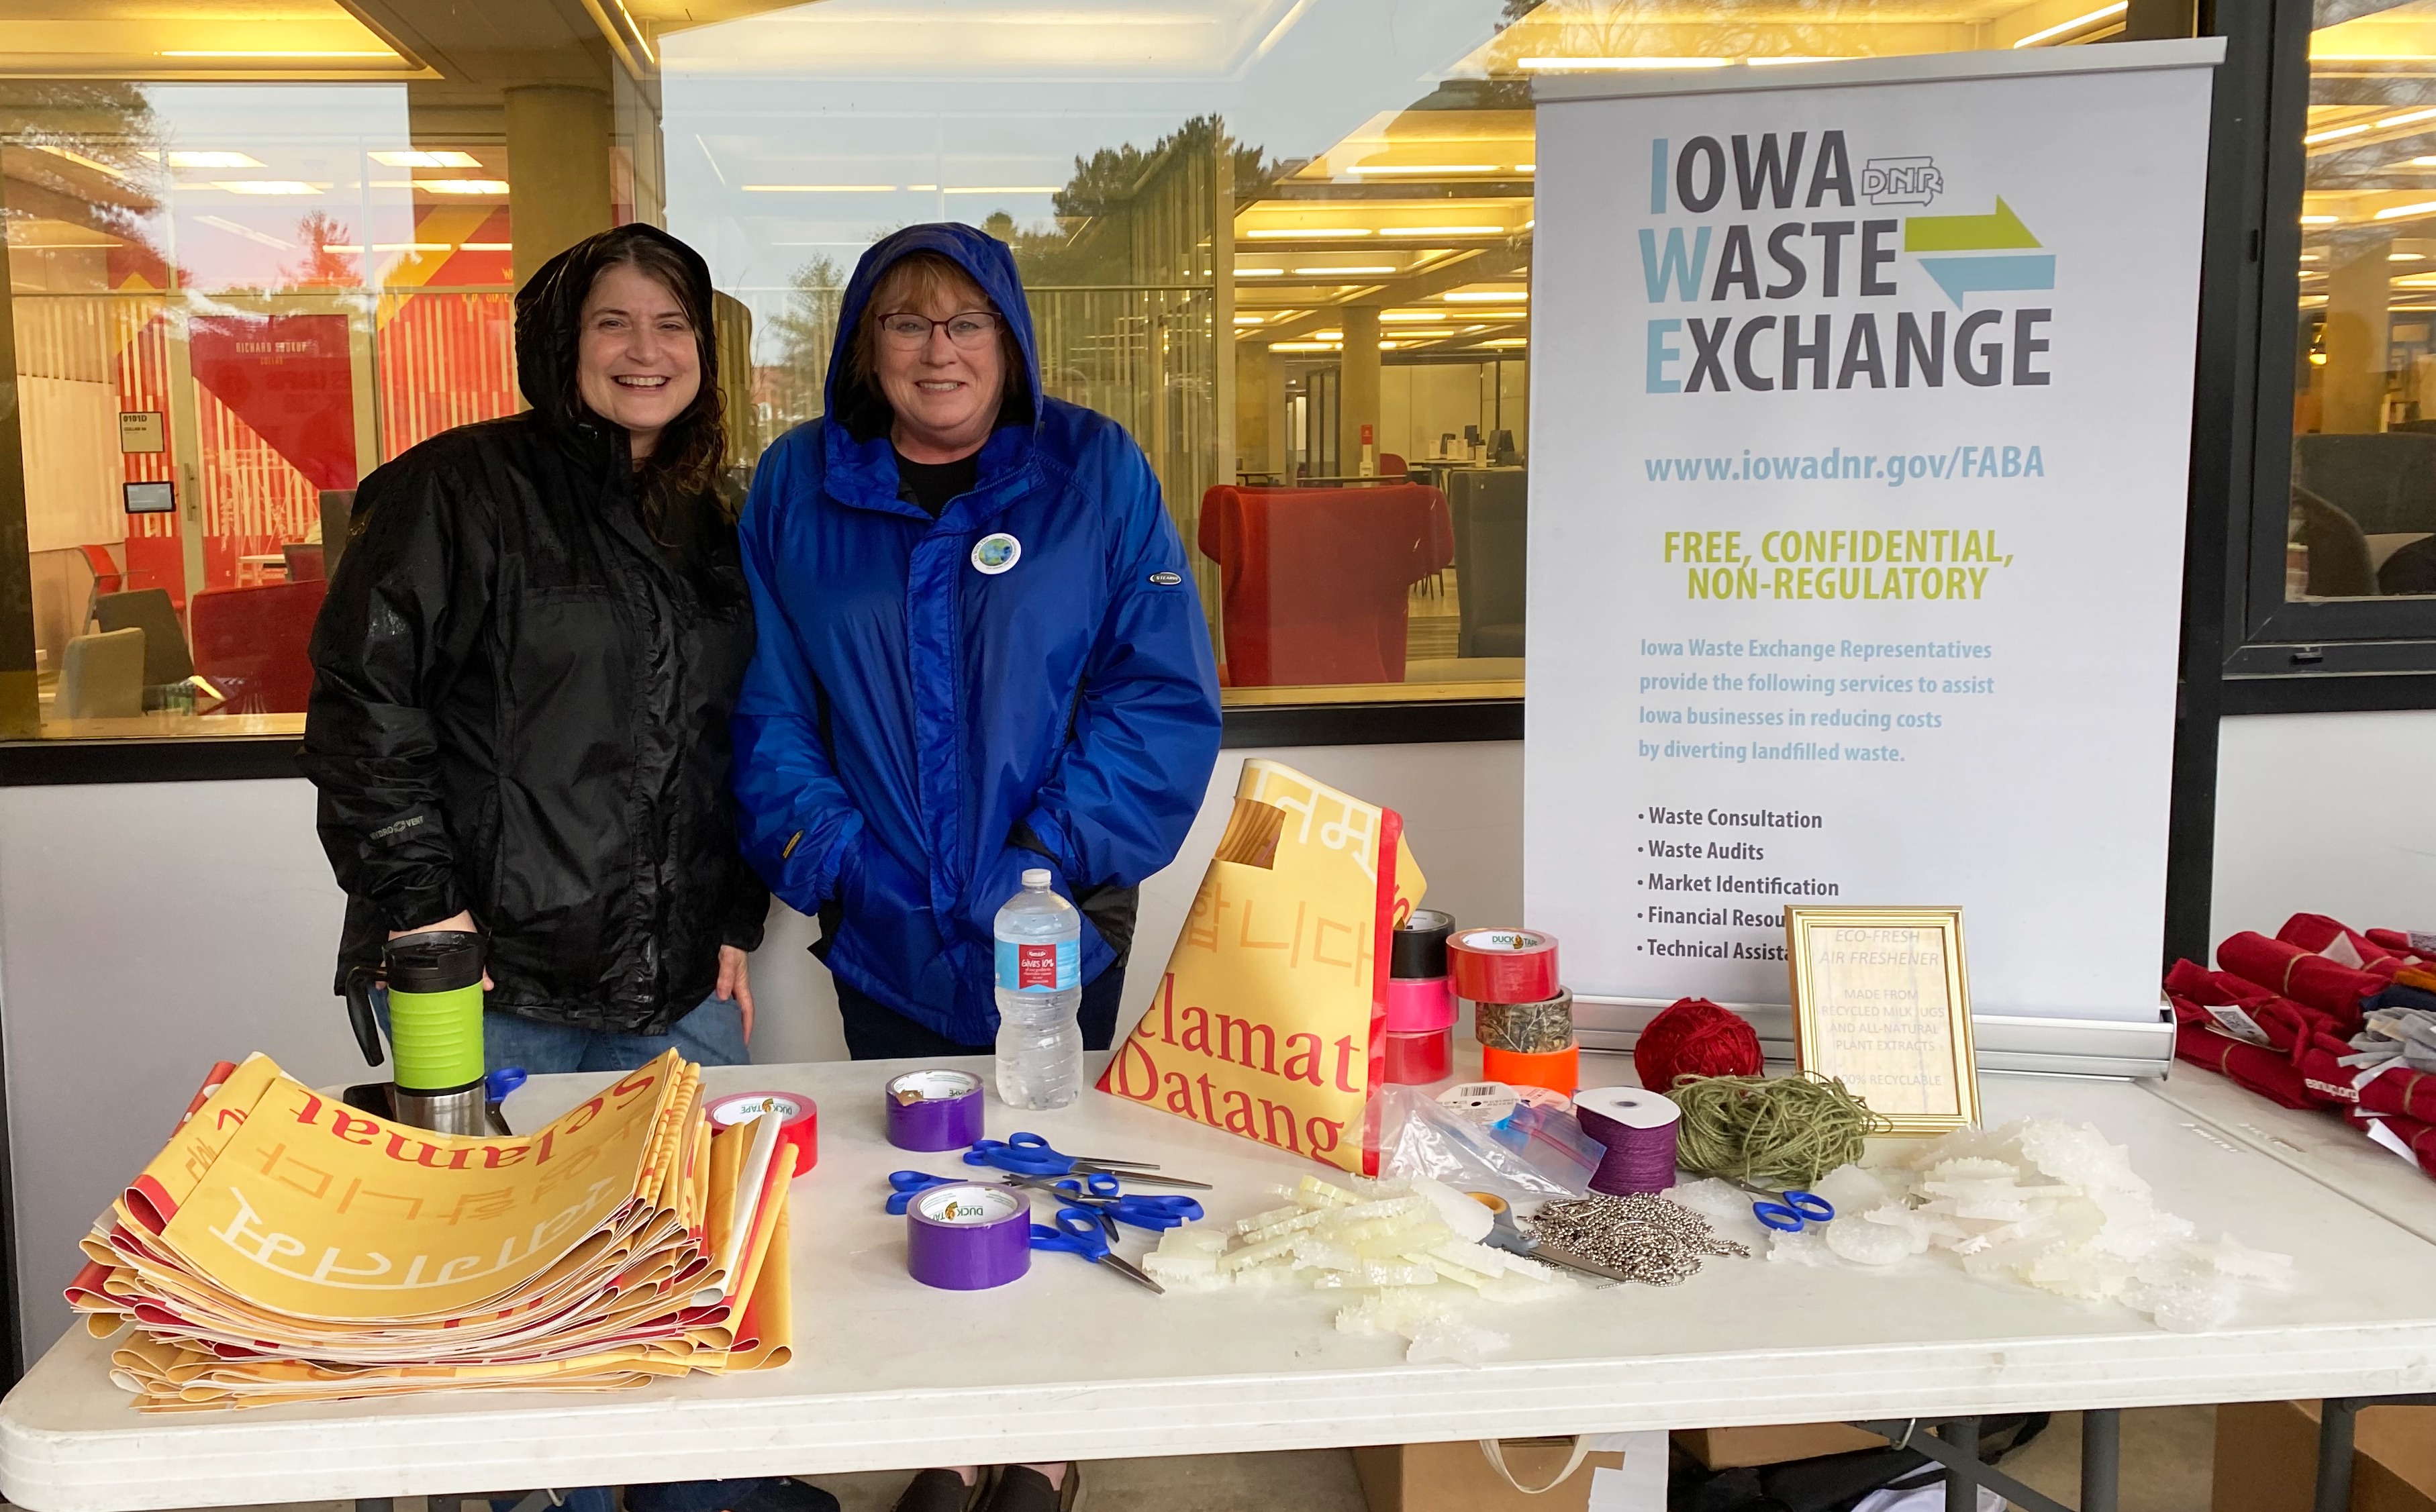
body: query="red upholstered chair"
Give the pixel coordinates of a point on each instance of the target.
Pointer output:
(1391, 466)
(1313, 580)
(250, 644)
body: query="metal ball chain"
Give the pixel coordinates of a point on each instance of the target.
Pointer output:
(1645, 1236)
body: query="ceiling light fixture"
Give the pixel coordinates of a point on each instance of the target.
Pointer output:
(1006, 188)
(1341, 272)
(2333, 133)
(1424, 167)
(1607, 64)
(819, 188)
(2320, 220)
(2066, 28)
(252, 52)
(2421, 207)
(1442, 231)
(1468, 296)
(1303, 346)
(213, 160)
(1305, 232)
(450, 158)
(463, 185)
(1412, 315)
(1260, 272)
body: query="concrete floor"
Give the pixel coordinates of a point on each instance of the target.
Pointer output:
(2167, 1457)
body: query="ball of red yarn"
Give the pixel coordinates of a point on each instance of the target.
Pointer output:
(1695, 1037)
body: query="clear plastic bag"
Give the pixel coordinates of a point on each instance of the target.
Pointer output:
(1420, 1137)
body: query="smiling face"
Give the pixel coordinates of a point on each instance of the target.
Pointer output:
(637, 363)
(945, 396)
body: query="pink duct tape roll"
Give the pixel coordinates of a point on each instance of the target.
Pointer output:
(933, 1110)
(968, 1237)
(1413, 1007)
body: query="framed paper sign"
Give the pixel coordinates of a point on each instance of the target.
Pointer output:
(1881, 999)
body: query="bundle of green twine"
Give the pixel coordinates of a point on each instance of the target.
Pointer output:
(1777, 1131)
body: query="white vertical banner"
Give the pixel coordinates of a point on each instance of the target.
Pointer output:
(1860, 438)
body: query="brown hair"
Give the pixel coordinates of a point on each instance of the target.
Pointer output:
(684, 465)
(914, 282)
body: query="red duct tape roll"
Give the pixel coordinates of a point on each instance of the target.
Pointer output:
(1502, 965)
(799, 1125)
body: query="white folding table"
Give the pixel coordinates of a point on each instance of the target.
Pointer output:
(1074, 1362)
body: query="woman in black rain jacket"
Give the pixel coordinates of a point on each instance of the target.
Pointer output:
(523, 676)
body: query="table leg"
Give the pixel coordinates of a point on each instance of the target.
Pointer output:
(2102, 1458)
(1961, 1484)
(2338, 1418)
(372, 1503)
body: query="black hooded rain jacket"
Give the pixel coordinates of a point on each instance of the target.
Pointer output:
(520, 700)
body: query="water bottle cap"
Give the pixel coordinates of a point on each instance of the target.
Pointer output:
(1036, 878)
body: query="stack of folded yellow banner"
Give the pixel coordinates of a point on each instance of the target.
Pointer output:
(287, 1248)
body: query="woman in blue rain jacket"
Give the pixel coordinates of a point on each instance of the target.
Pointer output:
(978, 651)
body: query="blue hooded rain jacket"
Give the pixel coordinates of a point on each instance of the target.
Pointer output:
(907, 716)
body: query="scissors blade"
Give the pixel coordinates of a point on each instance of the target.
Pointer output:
(1555, 1254)
(1143, 1178)
(1130, 1271)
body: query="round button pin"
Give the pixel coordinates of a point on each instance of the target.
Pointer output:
(995, 552)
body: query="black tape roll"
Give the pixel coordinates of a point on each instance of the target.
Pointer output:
(1419, 952)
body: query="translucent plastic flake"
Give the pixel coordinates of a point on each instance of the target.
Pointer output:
(2056, 1206)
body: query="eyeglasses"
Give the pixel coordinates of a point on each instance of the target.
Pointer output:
(968, 329)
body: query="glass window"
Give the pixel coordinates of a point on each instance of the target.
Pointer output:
(2362, 520)
(1286, 243)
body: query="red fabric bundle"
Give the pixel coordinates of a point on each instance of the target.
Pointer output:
(2301, 1060)
(2420, 1137)
(2305, 977)
(2398, 942)
(2315, 931)
(2263, 1071)
(2403, 1092)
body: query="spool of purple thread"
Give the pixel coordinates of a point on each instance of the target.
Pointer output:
(1637, 1130)
(968, 1237)
(933, 1110)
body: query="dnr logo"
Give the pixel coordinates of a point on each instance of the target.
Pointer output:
(1900, 181)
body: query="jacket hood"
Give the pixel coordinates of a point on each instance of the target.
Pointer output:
(549, 307)
(987, 260)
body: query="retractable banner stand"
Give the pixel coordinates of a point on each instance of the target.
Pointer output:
(1860, 431)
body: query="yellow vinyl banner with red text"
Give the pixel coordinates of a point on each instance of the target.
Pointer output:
(1268, 1022)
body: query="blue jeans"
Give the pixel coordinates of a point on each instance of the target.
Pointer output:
(712, 1035)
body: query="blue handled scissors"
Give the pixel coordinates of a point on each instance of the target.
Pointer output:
(1099, 1192)
(1029, 1155)
(908, 1185)
(1788, 1214)
(1078, 1233)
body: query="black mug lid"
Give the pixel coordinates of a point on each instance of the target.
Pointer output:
(1419, 951)
(434, 961)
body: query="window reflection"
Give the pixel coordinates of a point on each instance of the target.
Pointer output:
(1286, 243)
(2363, 514)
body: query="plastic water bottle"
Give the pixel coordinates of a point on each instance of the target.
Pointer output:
(1040, 991)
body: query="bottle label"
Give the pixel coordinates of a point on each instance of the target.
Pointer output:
(1043, 967)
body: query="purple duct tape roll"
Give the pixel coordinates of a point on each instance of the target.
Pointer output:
(968, 1237)
(933, 1110)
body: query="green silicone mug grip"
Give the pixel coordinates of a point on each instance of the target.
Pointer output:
(436, 1038)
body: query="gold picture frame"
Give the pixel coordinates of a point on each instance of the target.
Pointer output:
(1882, 998)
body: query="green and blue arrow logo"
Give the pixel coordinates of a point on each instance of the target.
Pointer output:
(1962, 277)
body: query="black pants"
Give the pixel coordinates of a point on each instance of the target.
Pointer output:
(873, 1032)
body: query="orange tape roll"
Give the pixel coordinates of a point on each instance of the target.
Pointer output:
(1559, 1070)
